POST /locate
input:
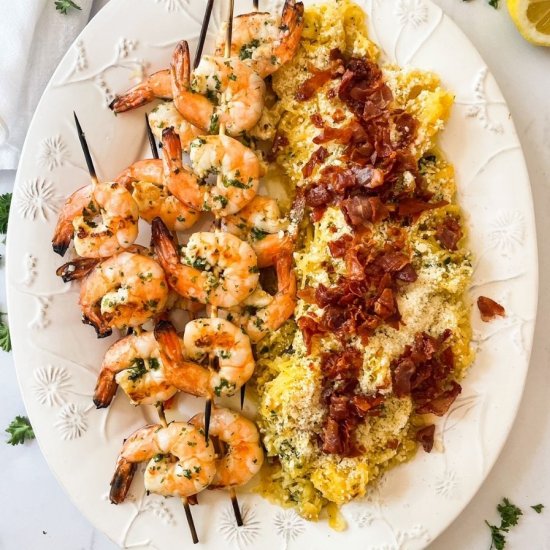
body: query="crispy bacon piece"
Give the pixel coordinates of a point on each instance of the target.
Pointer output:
(360, 211)
(310, 328)
(406, 126)
(317, 157)
(346, 405)
(317, 120)
(440, 405)
(414, 207)
(489, 309)
(318, 195)
(338, 247)
(425, 436)
(449, 233)
(425, 371)
(279, 142)
(402, 374)
(309, 87)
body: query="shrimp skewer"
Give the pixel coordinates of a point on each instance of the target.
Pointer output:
(125, 290)
(259, 41)
(261, 313)
(202, 337)
(260, 223)
(244, 456)
(181, 463)
(218, 268)
(263, 42)
(111, 202)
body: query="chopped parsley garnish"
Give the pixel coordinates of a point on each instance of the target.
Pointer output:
(223, 384)
(538, 508)
(137, 370)
(20, 430)
(509, 517)
(214, 124)
(258, 234)
(63, 6)
(199, 263)
(5, 203)
(5, 339)
(248, 49)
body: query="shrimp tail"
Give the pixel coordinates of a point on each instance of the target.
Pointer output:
(102, 329)
(76, 269)
(122, 479)
(181, 67)
(156, 86)
(163, 243)
(184, 375)
(292, 19)
(169, 343)
(105, 389)
(61, 241)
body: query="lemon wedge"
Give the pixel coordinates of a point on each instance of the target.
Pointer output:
(532, 18)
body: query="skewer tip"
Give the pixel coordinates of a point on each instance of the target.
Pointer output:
(236, 509)
(85, 149)
(243, 393)
(190, 521)
(151, 137)
(207, 414)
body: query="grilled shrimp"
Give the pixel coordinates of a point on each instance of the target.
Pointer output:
(223, 91)
(134, 363)
(203, 338)
(181, 462)
(260, 223)
(238, 170)
(72, 208)
(262, 313)
(166, 115)
(125, 290)
(180, 180)
(244, 456)
(102, 218)
(262, 42)
(152, 191)
(157, 85)
(216, 268)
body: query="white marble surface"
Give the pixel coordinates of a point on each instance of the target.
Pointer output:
(37, 514)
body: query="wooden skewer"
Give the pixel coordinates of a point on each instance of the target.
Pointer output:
(256, 4)
(152, 140)
(227, 54)
(236, 508)
(86, 150)
(184, 500)
(204, 30)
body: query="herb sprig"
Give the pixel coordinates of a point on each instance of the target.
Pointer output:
(63, 6)
(509, 517)
(5, 338)
(20, 430)
(5, 203)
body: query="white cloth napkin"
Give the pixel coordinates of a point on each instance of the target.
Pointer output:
(33, 38)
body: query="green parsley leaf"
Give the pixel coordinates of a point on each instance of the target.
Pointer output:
(20, 430)
(494, 3)
(63, 6)
(5, 339)
(509, 514)
(5, 203)
(538, 508)
(509, 517)
(498, 540)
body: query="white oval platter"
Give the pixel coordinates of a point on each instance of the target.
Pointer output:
(57, 357)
